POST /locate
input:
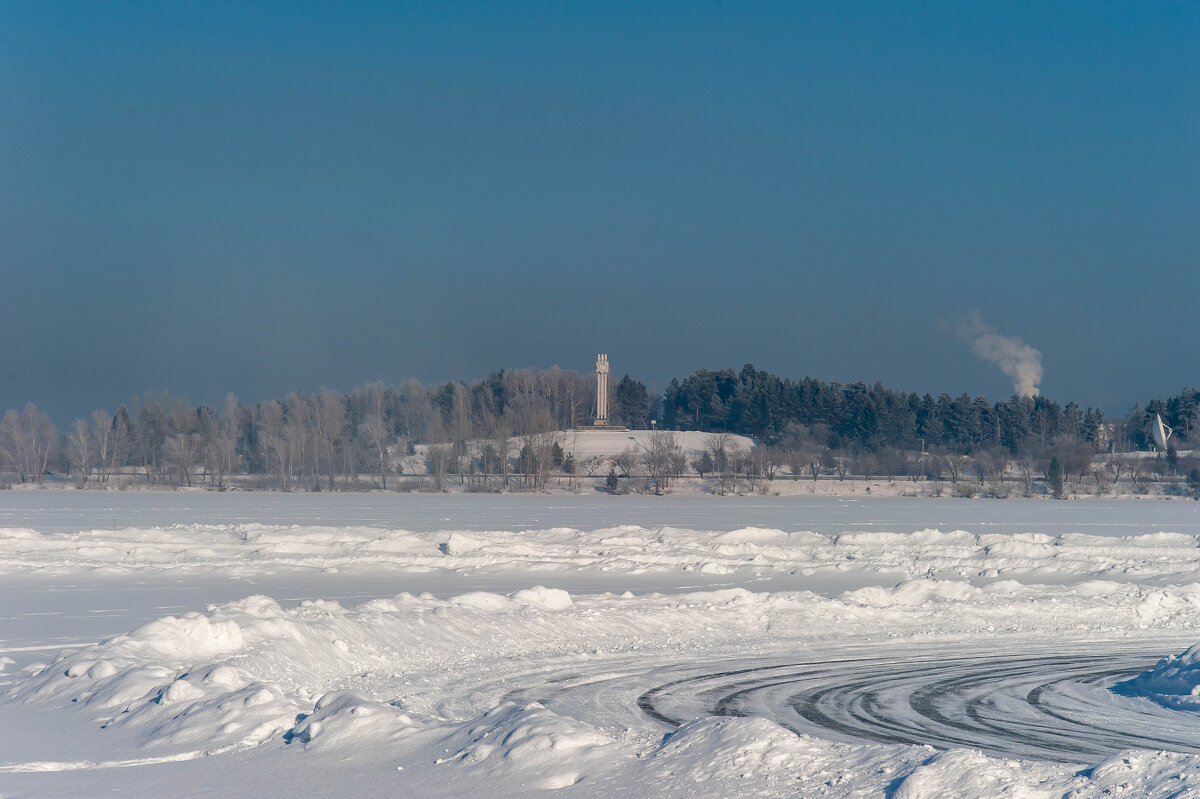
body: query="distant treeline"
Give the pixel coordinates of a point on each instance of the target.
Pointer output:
(303, 440)
(759, 404)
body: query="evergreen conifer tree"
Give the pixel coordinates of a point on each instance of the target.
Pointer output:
(1054, 478)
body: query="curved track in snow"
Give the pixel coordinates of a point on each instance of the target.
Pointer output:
(1045, 706)
(1034, 703)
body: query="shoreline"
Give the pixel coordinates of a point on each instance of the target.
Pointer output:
(827, 486)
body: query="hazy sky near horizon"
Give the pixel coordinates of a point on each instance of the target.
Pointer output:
(266, 197)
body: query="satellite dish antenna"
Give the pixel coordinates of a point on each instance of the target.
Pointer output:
(1161, 432)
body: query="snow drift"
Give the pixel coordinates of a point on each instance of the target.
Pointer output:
(247, 549)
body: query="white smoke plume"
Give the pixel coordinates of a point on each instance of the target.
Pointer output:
(1015, 358)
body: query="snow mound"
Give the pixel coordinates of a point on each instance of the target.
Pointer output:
(187, 637)
(913, 593)
(968, 774)
(1141, 775)
(344, 717)
(482, 600)
(722, 748)
(752, 535)
(174, 680)
(1173, 682)
(746, 756)
(544, 598)
(550, 750)
(1017, 550)
(192, 714)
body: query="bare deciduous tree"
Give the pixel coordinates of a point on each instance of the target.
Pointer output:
(102, 435)
(765, 461)
(182, 452)
(663, 458)
(1030, 466)
(273, 439)
(330, 421)
(841, 465)
(719, 446)
(1116, 467)
(535, 428)
(590, 464)
(796, 460)
(377, 438)
(1076, 460)
(221, 448)
(438, 463)
(80, 449)
(500, 430)
(816, 462)
(415, 411)
(956, 465)
(121, 444)
(625, 461)
(27, 441)
(1137, 472)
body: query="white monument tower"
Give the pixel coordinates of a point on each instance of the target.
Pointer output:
(601, 422)
(602, 390)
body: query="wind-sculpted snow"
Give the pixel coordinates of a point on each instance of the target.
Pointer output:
(245, 549)
(722, 691)
(925, 661)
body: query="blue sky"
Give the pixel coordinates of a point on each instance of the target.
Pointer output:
(268, 197)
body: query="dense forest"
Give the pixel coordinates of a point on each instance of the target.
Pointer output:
(761, 405)
(508, 423)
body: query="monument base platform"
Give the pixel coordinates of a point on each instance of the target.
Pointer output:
(613, 428)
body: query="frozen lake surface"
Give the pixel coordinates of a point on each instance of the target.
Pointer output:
(254, 644)
(69, 511)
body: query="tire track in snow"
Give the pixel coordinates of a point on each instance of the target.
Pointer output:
(1050, 707)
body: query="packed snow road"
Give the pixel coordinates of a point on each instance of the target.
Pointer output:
(495, 646)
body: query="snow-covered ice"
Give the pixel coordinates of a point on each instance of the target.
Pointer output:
(252, 645)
